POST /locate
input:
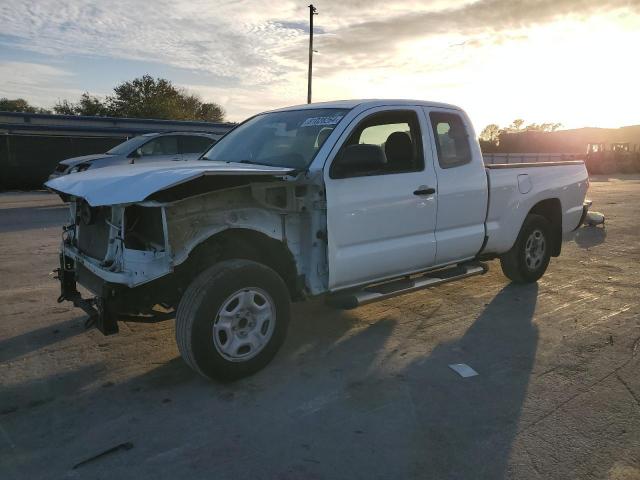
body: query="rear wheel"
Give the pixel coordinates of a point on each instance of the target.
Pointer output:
(232, 319)
(529, 257)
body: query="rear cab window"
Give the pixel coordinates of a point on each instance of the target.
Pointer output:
(452, 139)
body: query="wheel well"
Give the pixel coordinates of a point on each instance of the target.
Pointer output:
(552, 211)
(248, 245)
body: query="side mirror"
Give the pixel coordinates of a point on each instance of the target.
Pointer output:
(360, 159)
(137, 153)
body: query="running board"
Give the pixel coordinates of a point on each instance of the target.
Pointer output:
(381, 291)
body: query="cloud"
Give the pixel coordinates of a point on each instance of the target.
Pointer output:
(227, 40)
(242, 102)
(383, 34)
(41, 84)
(228, 43)
(265, 45)
(254, 54)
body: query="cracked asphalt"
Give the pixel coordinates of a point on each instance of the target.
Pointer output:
(363, 394)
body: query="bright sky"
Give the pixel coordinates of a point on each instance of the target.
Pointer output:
(569, 61)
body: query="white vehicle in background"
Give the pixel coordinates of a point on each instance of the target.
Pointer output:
(149, 147)
(355, 200)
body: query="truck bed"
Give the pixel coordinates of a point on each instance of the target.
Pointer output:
(515, 188)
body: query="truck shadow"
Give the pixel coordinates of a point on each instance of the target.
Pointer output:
(339, 398)
(30, 397)
(467, 425)
(33, 340)
(587, 237)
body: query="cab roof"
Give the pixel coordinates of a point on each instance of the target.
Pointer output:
(369, 103)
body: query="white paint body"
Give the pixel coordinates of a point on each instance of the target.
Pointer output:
(509, 206)
(376, 227)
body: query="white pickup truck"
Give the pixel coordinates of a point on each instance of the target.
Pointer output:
(355, 200)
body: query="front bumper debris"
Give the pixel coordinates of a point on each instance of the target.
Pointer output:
(101, 313)
(586, 205)
(111, 301)
(594, 218)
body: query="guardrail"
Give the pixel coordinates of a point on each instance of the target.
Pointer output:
(49, 124)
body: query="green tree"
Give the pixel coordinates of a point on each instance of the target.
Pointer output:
(64, 107)
(91, 105)
(542, 127)
(145, 97)
(516, 124)
(211, 112)
(551, 127)
(490, 133)
(148, 97)
(88, 105)
(19, 105)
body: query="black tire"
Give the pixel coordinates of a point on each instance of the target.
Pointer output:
(516, 265)
(201, 305)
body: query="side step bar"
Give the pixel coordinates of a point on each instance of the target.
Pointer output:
(354, 298)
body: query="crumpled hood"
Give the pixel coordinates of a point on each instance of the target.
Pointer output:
(84, 159)
(134, 183)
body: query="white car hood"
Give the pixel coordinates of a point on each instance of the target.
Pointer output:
(134, 183)
(84, 159)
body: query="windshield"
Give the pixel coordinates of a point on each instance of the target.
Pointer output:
(125, 148)
(283, 139)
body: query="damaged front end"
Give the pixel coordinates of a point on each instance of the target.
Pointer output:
(112, 251)
(136, 258)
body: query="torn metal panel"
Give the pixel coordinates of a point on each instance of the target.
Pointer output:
(193, 220)
(283, 211)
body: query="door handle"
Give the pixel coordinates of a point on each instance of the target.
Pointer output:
(425, 191)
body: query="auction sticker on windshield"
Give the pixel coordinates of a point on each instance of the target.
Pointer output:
(321, 121)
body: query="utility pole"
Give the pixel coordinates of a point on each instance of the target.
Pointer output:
(312, 12)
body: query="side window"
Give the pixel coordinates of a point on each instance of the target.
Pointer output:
(195, 144)
(161, 146)
(393, 138)
(452, 139)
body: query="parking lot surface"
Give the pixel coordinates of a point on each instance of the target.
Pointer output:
(361, 394)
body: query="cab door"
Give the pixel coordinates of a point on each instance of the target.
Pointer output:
(462, 186)
(381, 222)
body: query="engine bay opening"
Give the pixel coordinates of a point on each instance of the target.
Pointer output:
(92, 225)
(143, 228)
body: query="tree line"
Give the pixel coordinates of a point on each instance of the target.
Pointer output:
(149, 97)
(142, 97)
(493, 133)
